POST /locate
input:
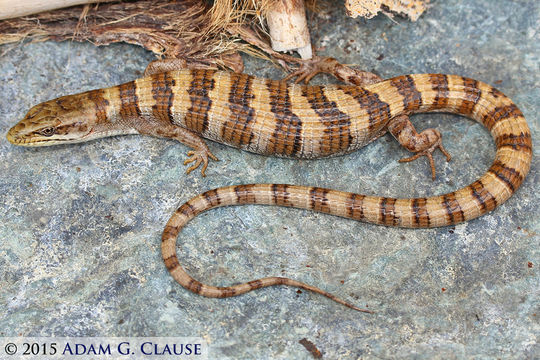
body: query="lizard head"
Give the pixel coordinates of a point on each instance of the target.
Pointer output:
(68, 119)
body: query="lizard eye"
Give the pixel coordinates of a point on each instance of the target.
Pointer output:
(47, 131)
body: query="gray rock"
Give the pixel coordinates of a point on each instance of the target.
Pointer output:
(81, 224)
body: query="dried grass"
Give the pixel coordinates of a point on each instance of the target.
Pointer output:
(189, 28)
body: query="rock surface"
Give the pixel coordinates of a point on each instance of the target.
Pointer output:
(81, 224)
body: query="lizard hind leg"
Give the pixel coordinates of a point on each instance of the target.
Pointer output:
(309, 68)
(422, 144)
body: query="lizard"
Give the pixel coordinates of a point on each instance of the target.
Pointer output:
(274, 117)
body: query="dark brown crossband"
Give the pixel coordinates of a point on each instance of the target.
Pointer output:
(511, 177)
(227, 292)
(169, 232)
(255, 284)
(496, 93)
(318, 199)
(501, 113)
(387, 211)
(238, 128)
(212, 197)
(337, 133)
(162, 92)
(439, 83)
(421, 215)
(471, 96)
(100, 105)
(412, 99)
(280, 195)
(378, 111)
(517, 142)
(355, 206)
(129, 106)
(197, 115)
(484, 198)
(171, 262)
(194, 286)
(244, 194)
(453, 209)
(287, 137)
(187, 209)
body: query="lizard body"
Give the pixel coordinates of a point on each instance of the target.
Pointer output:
(263, 116)
(276, 118)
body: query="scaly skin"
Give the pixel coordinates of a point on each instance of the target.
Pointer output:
(275, 118)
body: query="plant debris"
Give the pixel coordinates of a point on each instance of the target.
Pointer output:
(311, 348)
(369, 8)
(188, 29)
(196, 30)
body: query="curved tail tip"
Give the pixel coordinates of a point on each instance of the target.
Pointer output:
(356, 307)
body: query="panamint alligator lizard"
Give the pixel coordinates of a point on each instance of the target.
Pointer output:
(276, 118)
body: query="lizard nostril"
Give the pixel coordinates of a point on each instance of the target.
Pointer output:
(12, 135)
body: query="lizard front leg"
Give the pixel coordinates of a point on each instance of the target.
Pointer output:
(200, 153)
(172, 64)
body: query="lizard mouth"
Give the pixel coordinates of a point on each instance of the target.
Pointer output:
(16, 138)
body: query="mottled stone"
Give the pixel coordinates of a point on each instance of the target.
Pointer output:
(81, 224)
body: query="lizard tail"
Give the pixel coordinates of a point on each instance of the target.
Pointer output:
(447, 93)
(232, 195)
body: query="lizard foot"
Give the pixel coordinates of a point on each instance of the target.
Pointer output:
(199, 157)
(428, 152)
(311, 67)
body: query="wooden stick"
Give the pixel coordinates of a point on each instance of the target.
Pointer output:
(288, 27)
(10, 9)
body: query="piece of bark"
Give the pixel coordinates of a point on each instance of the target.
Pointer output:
(310, 346)
(369, 8)
(190, 29)
(181, 29)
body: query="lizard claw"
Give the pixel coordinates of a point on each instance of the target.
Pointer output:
(311, 67)
(429, 154)
(199, 157)
(304, 73)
